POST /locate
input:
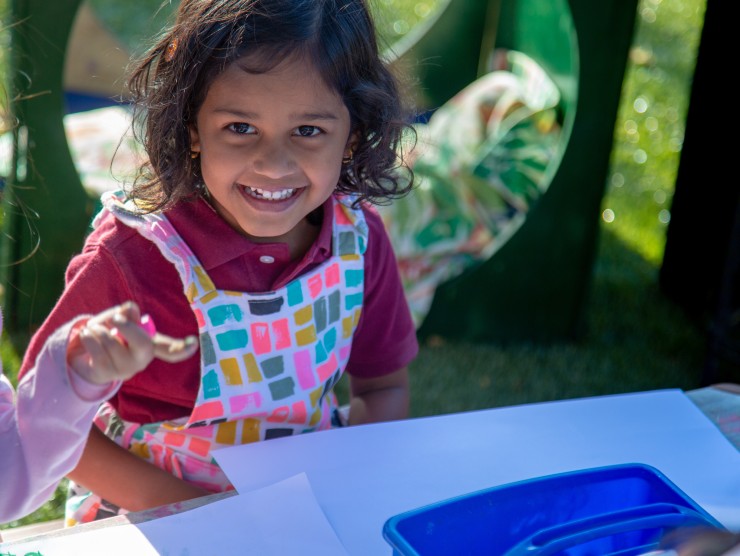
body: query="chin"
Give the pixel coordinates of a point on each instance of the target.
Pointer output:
(265, 233)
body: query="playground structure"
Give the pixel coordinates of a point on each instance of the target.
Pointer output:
(535, 285)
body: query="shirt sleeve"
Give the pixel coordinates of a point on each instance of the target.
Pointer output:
(93, 283)
(43, 433)
(385, 339)
(118, 264)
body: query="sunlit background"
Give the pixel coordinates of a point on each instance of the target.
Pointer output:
(636, 339)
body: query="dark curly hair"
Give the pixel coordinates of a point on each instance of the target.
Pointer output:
(169, 84)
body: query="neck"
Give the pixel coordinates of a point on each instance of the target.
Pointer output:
(298, 240)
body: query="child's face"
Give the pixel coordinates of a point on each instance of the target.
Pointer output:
(271, 148)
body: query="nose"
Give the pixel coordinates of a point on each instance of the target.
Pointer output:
(272, 159)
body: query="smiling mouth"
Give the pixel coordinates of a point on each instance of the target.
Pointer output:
(265, 195)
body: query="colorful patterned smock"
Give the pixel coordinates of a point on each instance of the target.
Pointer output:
(269, 361)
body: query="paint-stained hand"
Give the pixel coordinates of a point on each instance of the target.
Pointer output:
(117, 343)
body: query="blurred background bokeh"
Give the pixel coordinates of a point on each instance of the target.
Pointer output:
(633, 336)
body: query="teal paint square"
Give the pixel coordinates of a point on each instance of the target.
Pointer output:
(352, 301)
(353, 278)
(211, 388)
(233, 339)
(330, 339)
(295, 293)
(222, 314)
(321, 355)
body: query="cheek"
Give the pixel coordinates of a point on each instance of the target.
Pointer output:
(217, 169)
(221, 159)
(321, 162)
(329, 170)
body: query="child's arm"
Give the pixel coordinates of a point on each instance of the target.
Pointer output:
(384, 398)
(138, 485)
(43, 434)
(700, 541)
(125, 479)
(385, 337)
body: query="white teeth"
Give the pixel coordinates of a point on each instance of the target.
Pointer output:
(279, 195)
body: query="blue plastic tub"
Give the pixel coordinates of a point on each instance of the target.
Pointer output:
(618, 510)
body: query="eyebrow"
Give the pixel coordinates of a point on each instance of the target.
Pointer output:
(294, 116)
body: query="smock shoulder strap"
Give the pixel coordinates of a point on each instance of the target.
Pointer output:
(350, 227)
(157, 228)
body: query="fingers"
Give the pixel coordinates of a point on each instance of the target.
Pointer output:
(129, 311)
(174, 350)
(118, 343)
(130, 331)
(108, 358)
(92, 338)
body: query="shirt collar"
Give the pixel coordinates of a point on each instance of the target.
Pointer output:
(199, 224)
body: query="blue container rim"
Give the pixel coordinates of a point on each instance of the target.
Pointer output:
(594, 474)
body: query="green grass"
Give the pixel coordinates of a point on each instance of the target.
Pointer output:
(636, 339)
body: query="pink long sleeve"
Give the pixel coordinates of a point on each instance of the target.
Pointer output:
(43, 434)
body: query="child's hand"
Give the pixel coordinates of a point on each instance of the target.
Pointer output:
(112, 345)
(701, 541)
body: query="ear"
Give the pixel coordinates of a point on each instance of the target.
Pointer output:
(194, 139)
(352, 143)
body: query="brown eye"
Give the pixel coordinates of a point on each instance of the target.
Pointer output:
(241, 128)
(308, 131)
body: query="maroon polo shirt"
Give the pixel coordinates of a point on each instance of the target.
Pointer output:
(118, 264)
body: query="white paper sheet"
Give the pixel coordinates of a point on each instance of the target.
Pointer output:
(362, 476)
(279, 519)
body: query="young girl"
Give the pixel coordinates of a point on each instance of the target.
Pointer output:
(43, 433)
(268, 124)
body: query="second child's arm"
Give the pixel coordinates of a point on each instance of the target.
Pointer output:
(126, 480)
(43, 431)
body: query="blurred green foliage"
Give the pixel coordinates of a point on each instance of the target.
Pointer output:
(4, 52)
(136, 27)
